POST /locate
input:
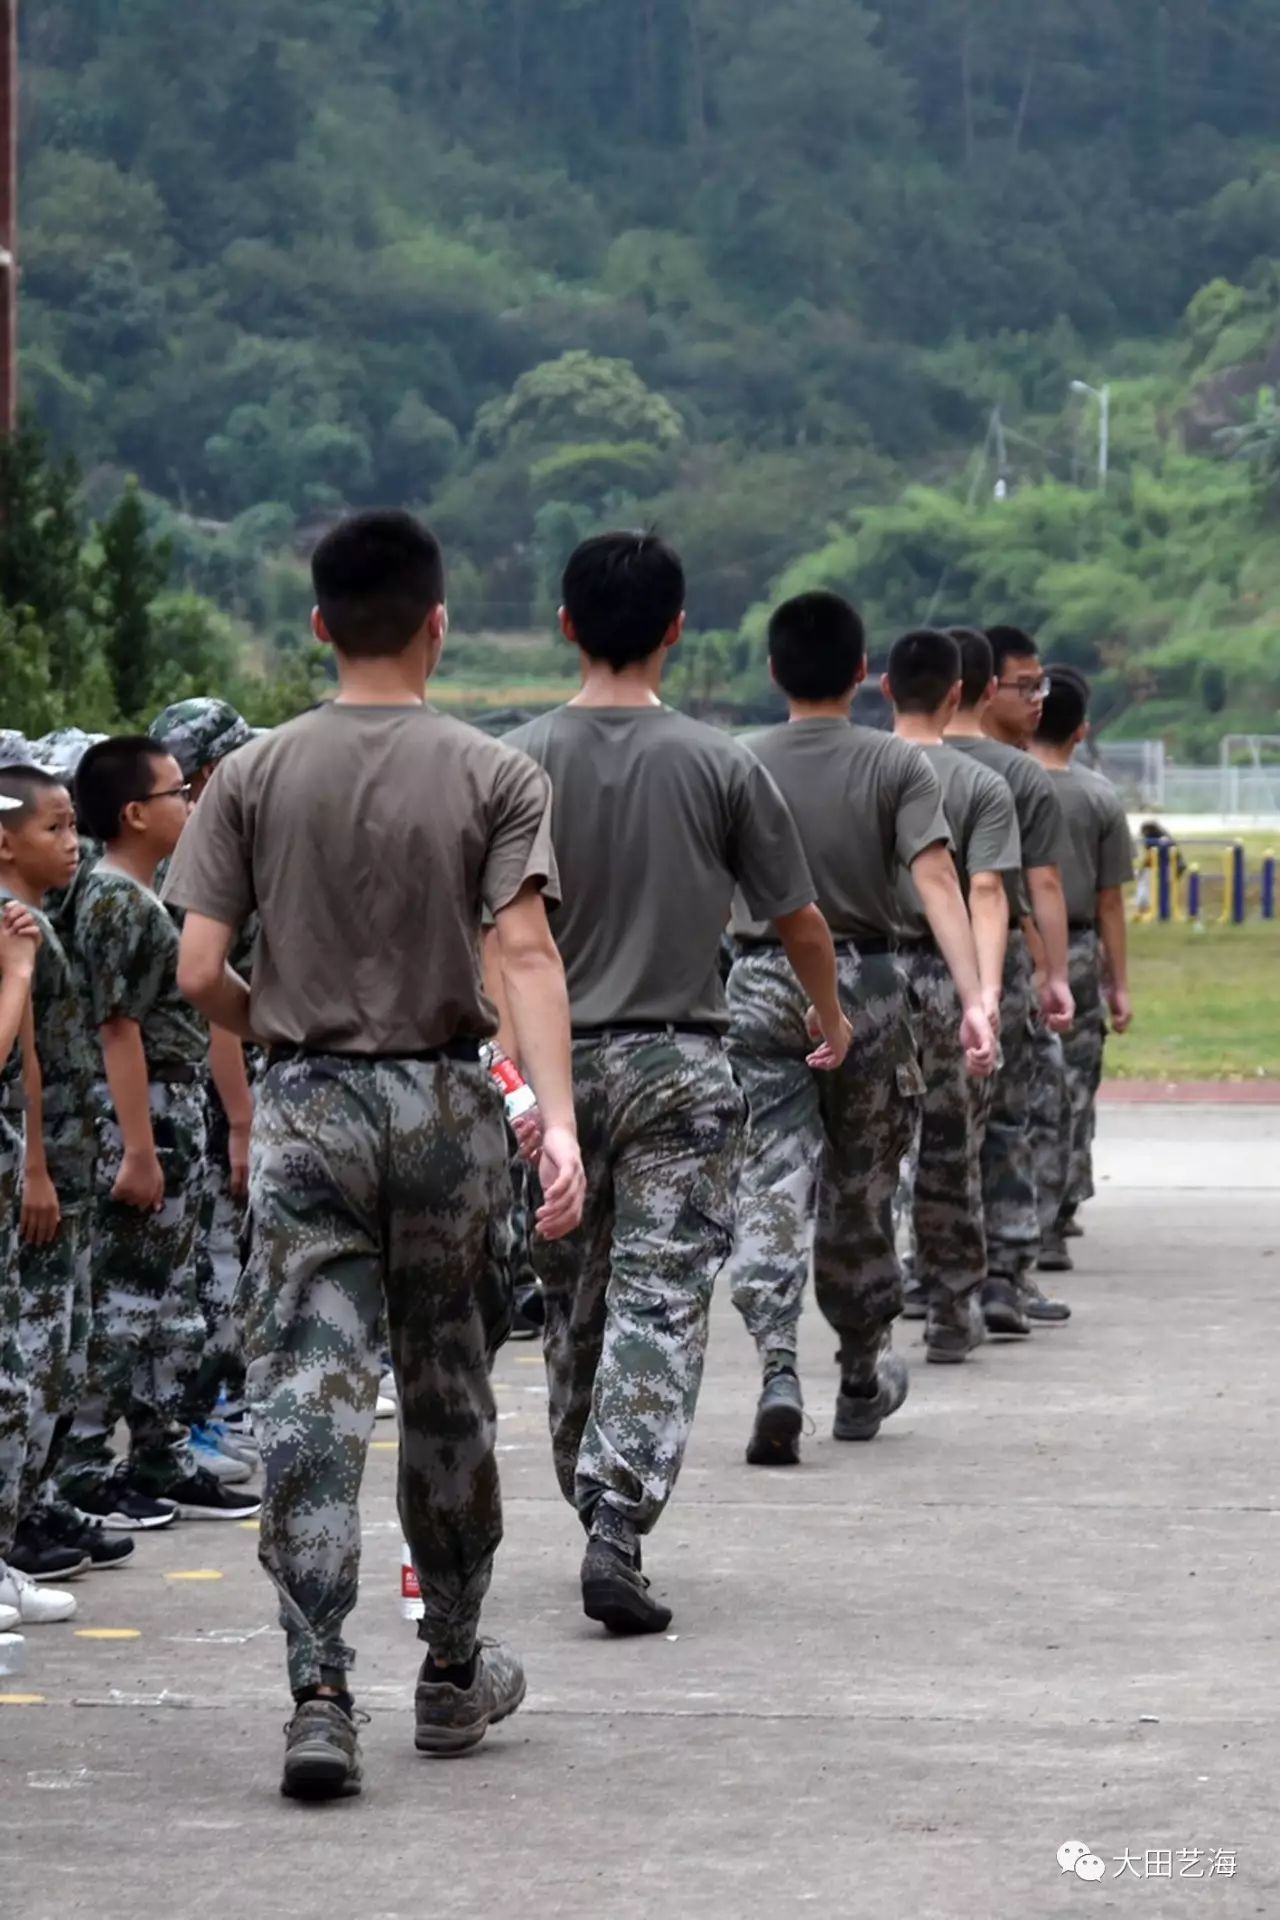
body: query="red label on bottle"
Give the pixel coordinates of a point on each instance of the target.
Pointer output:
(409, 1588)
(508, 1076)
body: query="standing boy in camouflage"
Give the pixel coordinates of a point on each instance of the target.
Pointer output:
(148, 1332)
(200, 734)
(1003, 693)
(368, 835)
(39, 853)
(924, 684)
(657, 819)
(823, 1155)
(1097, 866)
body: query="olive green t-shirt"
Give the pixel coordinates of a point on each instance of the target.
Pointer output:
(865, 803)
(369, 840)
(1039, 815)
(657, 820)
(1099, 850)
(125, 950)
(984, 829)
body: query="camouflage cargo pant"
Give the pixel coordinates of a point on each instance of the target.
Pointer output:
(1082, 1053)
(1050, 1125)
(1008, 1171)
(14, 1397)
(627, 1296)
(375, 1186)
(57, 1313)
(217, 1275)
(148, 1331)
(823, 1154)
(947, 1231)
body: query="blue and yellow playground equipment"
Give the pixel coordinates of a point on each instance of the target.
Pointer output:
(1217, 890)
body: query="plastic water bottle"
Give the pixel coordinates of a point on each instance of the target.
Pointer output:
(13, 1655)
(411, 1606)
(518, 1097)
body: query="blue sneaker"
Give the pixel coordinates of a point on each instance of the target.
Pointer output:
(219, 1465)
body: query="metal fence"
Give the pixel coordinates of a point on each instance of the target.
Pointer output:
(1148, 782)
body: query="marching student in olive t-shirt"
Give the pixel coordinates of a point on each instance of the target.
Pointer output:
(369, 835)
(1097, 866)
(950, 1246)
(1002, 694)
(864, 803)
(656, 821)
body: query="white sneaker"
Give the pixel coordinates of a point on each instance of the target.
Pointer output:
(388, 1402)
(9, 1619)
(36, 1606)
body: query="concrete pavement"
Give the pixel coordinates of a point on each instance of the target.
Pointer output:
(1040, 1608)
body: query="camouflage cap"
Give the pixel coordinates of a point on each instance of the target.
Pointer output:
(62, 750)
(199, 733)
(15, 749)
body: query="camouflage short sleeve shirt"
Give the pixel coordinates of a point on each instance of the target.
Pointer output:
(68, 1060)
(126, 954)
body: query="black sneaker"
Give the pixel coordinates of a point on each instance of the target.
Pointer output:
(953, 1329)
(122, 1508)
(201, 1497)
(38, 1554)
(616, 1593)
(321, 1753)
(70, 1529)
(1002, 1308)
(528, 1315)
(1038, 1307)
(1053, 1256)
(915, 1304)
(1070, 1227)
(775, 1437)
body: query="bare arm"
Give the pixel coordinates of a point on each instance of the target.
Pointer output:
(41, 1214)
(230, 1076)
(938, 884)
(1114, 928)
(1049, 905)
(18, 951)
(807, 943)
(141, 1179)
(989, 912)
(205, 979)
(495, 986)
(538, 1003)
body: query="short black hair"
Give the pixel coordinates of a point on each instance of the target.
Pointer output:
(817, 644)
(111, 776)
(377, 578)
(1010, 643)
(923, 668)
(977, 664)
(25, 785)
(623, 592)
(1066, 707)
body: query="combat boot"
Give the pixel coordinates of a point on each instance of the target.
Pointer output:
(775, 1437)
(1002, 1307)
(950, 1334)
(861, 1409)
(616, 1593)
(451, 1719)
(321, 1752)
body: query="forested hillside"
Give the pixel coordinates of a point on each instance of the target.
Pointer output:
(756, 270)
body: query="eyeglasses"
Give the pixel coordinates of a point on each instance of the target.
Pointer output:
(1027, 689)
(167, 793)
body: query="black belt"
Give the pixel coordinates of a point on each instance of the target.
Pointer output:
(175, 1073)
(707, 1028)
(1082, 926)
(925, 944)
(461, 1049)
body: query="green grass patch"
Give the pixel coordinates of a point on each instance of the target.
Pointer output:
(1206, 1004)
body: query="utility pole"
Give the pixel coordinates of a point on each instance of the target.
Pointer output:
(1103, 397)
(8, 215)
